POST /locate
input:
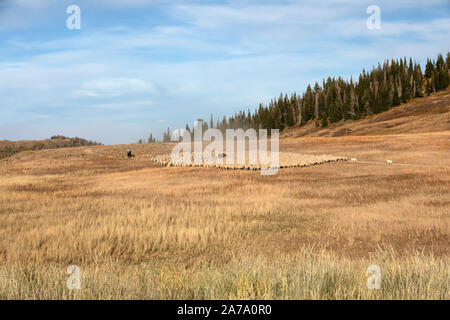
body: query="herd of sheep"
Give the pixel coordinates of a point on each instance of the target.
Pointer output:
(286, 160)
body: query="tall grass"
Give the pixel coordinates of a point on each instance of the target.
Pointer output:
(305, 275)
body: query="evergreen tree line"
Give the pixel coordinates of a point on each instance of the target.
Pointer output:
(150, 139)
(385, 86)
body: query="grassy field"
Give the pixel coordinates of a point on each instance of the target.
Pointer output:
(138, 230)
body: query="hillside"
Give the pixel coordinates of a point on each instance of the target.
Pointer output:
(8, 148)
(420, 115)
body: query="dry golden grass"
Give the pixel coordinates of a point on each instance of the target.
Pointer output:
(139, 230)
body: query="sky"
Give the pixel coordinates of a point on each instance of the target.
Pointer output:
(136, 67)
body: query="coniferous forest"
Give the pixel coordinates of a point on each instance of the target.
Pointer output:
(385, 86)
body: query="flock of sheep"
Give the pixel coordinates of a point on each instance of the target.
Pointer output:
(356, 160)
(286, 160)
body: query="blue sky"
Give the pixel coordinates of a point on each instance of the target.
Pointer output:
(140, 66)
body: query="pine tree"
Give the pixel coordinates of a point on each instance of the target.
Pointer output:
(429, 68)
(442, 76)
(324, 122)
(211, 122)
(418, 79)
(167, 137)
(395, 95)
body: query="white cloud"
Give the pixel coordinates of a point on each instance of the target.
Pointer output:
(114, 87)
(128, 3)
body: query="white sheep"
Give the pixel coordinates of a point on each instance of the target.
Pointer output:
(353, 159)
(388, 161)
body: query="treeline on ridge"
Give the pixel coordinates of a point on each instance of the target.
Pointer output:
(385, 86)
(54, 142)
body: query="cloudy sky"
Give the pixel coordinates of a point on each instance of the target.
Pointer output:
(139, 66)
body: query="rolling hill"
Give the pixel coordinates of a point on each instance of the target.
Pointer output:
(9, 148)
(420, 115)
